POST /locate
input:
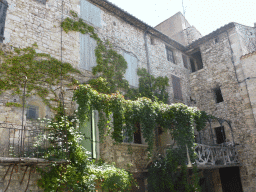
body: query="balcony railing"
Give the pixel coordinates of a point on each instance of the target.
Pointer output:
(29, 142)
(216, 155)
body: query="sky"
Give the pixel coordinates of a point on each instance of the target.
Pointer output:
(205, 15)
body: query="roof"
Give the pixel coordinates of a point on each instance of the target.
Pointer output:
(136, 22)
(210, 36)
(248, 55)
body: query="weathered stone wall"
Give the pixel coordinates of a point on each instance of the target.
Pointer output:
(222, 68)
(14, 176)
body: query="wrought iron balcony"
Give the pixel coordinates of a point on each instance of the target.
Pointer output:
(216, 155)
(31, 142)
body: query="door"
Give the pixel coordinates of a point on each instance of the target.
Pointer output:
(230, 179)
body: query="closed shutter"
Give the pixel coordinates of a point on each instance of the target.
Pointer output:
(3, 11)
(90, 13)
(87, 54)
(176, 88)
(131, 71)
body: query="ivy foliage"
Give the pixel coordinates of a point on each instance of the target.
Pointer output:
(179, 119)
(110, 65)
(151, 87)
(170, 173)
(42, 71)
(79, 173)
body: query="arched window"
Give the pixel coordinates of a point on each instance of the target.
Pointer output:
(3, 11)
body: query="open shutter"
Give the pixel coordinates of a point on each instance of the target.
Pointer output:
(90, 13)
(90, 133)
(131, 71)
(3, 11)
(87, 54)
(176, 88)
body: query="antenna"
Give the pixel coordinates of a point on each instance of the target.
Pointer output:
(184, 8)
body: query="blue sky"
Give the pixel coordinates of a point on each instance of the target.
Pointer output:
(205, 15)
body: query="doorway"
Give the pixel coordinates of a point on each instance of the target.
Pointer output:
(230, 179)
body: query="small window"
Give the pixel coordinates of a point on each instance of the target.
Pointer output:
(199, 63)
(216, 40)
(41, 1)
(3, 12)
(32, 112)
(185, 61)
(152, 40)
(136, 136)
(220, 134)
(170, 56)
(218, 95)
(176, 88)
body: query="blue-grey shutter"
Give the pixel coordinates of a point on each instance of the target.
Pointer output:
(90, 13)
(87, 54)
(3, 11)
(131, 71)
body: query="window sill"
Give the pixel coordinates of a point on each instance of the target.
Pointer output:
(135, 144)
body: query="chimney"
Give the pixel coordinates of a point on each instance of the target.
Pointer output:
(254, 24)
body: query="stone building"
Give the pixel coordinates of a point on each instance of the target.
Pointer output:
(214, 72)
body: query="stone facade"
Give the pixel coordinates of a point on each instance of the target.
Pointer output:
(37, 21)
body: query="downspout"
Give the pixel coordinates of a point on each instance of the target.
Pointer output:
(246, 86)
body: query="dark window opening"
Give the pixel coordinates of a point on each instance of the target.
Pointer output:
(193, 67)
(152, 40)
(137, 134)
(176, 88)
(170, 56)
(197, 56)
(41, 1)
(185, 61)
(220, 134)
(218, 95)
(216, 40)
(32, 112)
(3, 12)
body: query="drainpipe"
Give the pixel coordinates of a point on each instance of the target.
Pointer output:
(147, 56)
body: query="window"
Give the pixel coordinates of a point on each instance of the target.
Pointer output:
(152, 40)
(3, 11)
(176, 88)
(220, 134)
(90, 13)
(33, 112)
(87, 54)
(216, 40)
(218, 95)
(131, 71)
(185, 61)
(196, 62)
(41, 1)
(136, 136)
(170, 56)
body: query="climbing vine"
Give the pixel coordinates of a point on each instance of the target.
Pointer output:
(179, 119)
(79, 172)
(39, 71)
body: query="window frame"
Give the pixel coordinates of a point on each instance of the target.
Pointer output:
(170, 54)
(3, 15)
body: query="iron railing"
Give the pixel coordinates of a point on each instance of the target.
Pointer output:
(33, 141)
(216, 155)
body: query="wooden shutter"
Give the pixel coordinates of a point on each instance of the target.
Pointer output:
(131, 71)
(87, 54)
(88, 129)
(90, 13)
(3, 11)
(176, 87)
(185, 61)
